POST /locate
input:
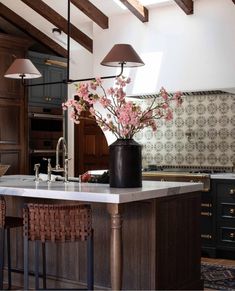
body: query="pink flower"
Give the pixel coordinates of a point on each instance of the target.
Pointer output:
(123, 117)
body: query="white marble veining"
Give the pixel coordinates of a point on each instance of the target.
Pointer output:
(25, 186)
(227, 176)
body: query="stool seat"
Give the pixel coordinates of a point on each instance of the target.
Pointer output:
(6, 224)
(56, 223)
(11, 221)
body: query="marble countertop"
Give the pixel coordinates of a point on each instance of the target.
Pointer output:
(25, 186)
(228, 176)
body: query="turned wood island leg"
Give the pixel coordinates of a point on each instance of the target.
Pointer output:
(115, 246)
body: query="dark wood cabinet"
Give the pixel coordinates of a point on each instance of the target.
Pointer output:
(13, 108)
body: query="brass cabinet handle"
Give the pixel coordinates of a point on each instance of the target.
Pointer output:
(47, 98)
(206, 213)
(232, 211)
(232, 191)
(209, 205)
(207, 236)
(232, 235)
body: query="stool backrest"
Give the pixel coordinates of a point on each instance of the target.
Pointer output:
(57, 222)
(2, 211)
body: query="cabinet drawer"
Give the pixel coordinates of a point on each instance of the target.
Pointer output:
(227, 234)
(227, 210)
(226, 193)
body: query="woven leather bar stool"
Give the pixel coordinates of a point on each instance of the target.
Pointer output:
(6, 223)
(56, 223)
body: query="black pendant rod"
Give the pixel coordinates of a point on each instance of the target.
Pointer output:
(78, 80)
(68, 80)
(68, 42)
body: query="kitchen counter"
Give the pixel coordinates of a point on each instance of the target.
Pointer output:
(227, 176)
(158, 223)
(25, 186)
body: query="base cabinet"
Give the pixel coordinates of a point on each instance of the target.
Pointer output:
(225, 218)
(161, 247)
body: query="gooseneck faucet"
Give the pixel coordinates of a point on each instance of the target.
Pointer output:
(64, 169)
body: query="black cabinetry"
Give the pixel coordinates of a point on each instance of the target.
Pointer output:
(44, 131)
(45, 117)
(218, 219)
(226, 218)
(48, 95)
(208, 221)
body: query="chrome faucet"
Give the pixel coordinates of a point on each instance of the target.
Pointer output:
(36, 169)
(65, 158)
(49, 169)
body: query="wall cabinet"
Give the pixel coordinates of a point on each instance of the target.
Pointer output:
(47, 95)
(45, 112)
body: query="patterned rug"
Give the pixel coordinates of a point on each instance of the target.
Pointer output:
(218, 277)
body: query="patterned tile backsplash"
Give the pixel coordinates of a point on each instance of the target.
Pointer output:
(202, 133)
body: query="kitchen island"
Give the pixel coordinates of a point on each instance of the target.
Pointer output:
(160, 223)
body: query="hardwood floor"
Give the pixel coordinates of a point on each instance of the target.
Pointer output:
(205, 260)
(219, 261)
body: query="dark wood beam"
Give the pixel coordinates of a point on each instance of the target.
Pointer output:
(30, 30)
(186, 5)
(137, 9)
(92, 12)
(60, 22)
(233, 1)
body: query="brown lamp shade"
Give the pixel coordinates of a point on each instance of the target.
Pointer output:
(122, 54)
(22, 68)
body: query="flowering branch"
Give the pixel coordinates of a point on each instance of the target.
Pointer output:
(122, 117)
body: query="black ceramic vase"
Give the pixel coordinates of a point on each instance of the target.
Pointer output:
(125, 164)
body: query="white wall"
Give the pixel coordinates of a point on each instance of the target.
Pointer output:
(181, 52)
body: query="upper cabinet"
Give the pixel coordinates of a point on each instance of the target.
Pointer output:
(53, 70)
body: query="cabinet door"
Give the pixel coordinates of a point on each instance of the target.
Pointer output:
(48, 96)
(57, 92)
(37, 94)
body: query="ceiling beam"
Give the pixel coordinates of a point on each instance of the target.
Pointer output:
(30, 30)
(92, 12)
(186, 5)
(137, 9)
(233, 1)
(60, 22)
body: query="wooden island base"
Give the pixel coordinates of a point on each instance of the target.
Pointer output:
(161, 246)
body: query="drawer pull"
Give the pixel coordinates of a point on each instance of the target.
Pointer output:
(232, 192)
(206, 213)
(232, 211)
(232, 235)
(209, 205)
(207, 236)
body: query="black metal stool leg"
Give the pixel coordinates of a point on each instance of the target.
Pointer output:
(90, 262)
(9, 257)
(2, 239)
(26, 263)
(36, 264)
(44, 265)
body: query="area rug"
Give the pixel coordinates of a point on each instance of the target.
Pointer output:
(218, 277)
